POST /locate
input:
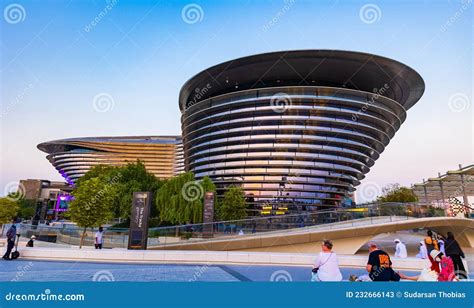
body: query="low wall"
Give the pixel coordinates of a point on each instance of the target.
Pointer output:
(201, 257)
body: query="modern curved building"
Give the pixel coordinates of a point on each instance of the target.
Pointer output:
(296, 130)
(161, 155)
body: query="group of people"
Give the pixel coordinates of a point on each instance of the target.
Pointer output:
(445, 262)
(12, 233)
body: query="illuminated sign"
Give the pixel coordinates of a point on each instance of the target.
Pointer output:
(208, 214)
(62, 203)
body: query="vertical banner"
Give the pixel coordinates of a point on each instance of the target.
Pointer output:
(208, 218)
(138, 234)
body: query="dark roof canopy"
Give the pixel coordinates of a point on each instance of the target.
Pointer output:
(59, 145)
(352, 70)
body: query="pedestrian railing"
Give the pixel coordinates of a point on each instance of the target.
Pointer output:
(69, 234)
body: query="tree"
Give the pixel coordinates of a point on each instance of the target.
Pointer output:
(125, 180)
(98, 171)
(180, 199)
(92, 204)
(207, 184)
(8, 211)
(232, 206)
(132, 178)
(397, 193)
(27, 208)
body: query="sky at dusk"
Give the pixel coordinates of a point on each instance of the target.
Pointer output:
(57, 57)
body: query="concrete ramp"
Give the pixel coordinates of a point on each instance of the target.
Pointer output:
(347, 236)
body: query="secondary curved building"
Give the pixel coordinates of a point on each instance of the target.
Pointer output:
(297, 130)
(161, 155)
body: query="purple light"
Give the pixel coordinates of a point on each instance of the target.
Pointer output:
(61, 203)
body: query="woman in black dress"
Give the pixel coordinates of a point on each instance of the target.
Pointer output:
(454, 251)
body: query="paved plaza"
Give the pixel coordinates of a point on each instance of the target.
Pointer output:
(34, 270)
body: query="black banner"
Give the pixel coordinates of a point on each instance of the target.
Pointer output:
(138, 235)
(208, 217)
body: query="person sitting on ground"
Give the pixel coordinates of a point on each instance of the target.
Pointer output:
(31, 241)
(423, 254)
(326, 266)
(379, 265)
(400, 249)
(441, 265)
(446, 266)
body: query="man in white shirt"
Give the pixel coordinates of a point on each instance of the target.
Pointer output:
(400, 249)
(99, 238)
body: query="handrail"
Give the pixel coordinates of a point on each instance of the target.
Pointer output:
(333, 218)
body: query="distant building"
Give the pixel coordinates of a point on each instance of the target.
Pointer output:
(51, 197)
(161, 155)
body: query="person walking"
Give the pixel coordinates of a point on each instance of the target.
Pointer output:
(442, 269)
(430, 242)
(11, 235)
(423, 253)
(400, 249)
(454, 251)
(379, 265)
(99, 238)
(326, 266)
